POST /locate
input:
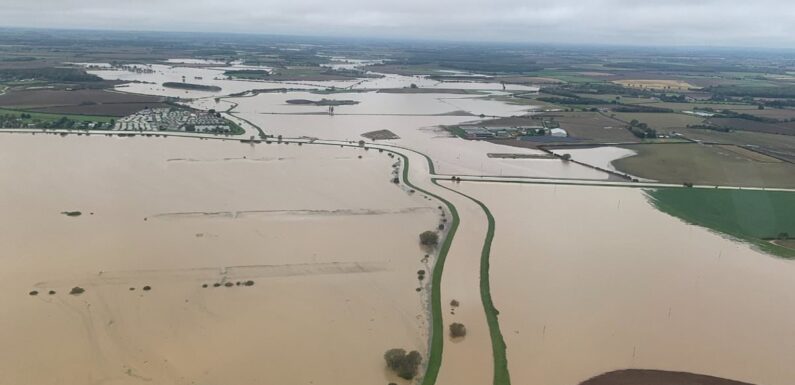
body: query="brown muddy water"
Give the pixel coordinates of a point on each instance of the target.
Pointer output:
(594, 279)
(329, 243)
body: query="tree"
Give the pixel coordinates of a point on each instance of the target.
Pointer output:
(457, 330)
(429, 238)
(394, 358)
(761, 107)
(413, 85)
(566, 157)
(404, 365)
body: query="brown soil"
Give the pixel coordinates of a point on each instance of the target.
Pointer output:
(657, 377)
(83, 102)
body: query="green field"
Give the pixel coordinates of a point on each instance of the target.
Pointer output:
(750, 215)
(713, 165)
(660, 121)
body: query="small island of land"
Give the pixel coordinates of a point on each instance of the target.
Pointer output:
(322, 102)
(657, 377)
(191, 86)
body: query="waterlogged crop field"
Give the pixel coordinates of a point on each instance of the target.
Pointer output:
(750, 215)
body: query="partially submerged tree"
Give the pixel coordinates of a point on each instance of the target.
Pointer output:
(457, 330)
(404, 365)
(429, 238)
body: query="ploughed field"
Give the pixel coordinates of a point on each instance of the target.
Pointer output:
(79, 102)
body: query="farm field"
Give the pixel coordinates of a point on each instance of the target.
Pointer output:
(658, 84)
(594, 126)
(79, 102)
(750, 215)
(635, 290)
(707, 165)
(660, 121)
(750, 125)
(778, 145)
(168, 229)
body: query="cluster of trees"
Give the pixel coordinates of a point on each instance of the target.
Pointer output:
(640, 108)
(577, 100)
(52, 74)
(642, 130)
(782, 92)
(23, 120)
(739, 115)
(404, 364)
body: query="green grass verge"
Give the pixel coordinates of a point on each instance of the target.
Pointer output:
(499, 350)
(53, 117)
(749, 215)
(437, 323)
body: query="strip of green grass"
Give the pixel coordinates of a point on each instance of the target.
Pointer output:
(52, 117)
(437, 326)
(749, 215)
(499, 350)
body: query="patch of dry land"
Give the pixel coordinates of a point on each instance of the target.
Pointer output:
(657, 377)
(328, 293)
(657, 84)
(589, 279)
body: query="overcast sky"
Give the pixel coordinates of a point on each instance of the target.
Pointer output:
(766, 23)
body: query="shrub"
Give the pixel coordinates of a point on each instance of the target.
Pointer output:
(429, 238)
(457, 330)
(34, 292)
(147, 288)
(77, 290)
(454, 303)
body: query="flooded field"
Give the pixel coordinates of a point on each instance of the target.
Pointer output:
(159, 218)
(593, 279)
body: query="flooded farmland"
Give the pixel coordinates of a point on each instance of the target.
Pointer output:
(593, 279)
(153, 220)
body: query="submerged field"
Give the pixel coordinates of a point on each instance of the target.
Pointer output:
(328, 295)
(754, 216)
(589, 280)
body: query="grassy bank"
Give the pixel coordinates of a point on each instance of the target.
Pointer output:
(750, 215)
(47, 117)
(499, 349)
(437, 323)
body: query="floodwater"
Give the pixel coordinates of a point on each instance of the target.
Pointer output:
(330, 294)
(593, 279)
(414, 117)
(602, 157)
(151, 83)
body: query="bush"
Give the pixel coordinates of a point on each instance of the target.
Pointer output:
(429, 238)
(404, 365)
(454, 303)
(77, 290)
(457, 330)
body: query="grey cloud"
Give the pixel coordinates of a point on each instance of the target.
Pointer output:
(650, 22)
